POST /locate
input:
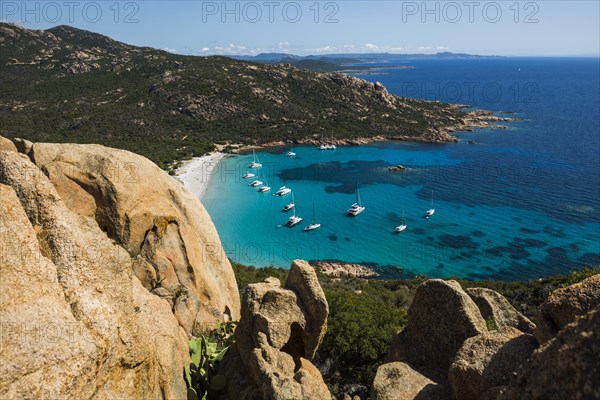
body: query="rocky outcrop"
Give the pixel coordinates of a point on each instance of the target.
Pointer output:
(81, 324)
(488, 361)
(398, 380)
(496, 307)
(280, 330)
(344, 270)
(6, 145)
(564, 305)
(566, 367)
(440, 319)
(160, 223)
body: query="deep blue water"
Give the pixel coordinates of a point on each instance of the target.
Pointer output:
(521, 203)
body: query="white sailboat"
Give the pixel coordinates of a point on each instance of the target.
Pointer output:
(291, 152)
(357, 207)
(264, 187)
(248, 175)
(256, 182)
(283, 191)
(254, 163)
(431, 211)
(314, 225)
(402, 226)
(291, 205)
(294, 219)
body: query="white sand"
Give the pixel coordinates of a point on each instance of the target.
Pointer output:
(197, 172)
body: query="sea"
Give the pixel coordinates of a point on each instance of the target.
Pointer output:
(517, 203)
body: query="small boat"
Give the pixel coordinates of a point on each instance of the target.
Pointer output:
(402, 226)
(291, 152)
(256, 183)
(264, 187)
(254, 163)
(332, 146)
(314, 224)
(283, 191)
(248, 175)
(294, 219)
(357, 207)
(289, 206)
(431, 211)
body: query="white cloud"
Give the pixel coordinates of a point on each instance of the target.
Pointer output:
(174, 51)
(287, 47)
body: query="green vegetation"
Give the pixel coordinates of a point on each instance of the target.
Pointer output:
(206, 353)
(364, 315)
(69, 85)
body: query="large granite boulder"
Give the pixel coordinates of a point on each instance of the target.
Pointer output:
(564, 305)
(566, 367)
(279, 331)
(155, 219)
(487, 361)
(496, 307)
(84, 326)
(441, 317)
(397, 380)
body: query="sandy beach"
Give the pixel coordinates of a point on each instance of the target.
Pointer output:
(195, 174)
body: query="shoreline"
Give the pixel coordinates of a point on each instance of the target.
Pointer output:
(471, 122)
(195, 174)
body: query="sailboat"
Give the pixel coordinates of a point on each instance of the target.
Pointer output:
(256, 182)
(294, 219)
(289, 206)
(283, 191)
(248, 175)
(314, 224)
(254, 163)
(357, 207)
(402, 226)
(431, 211)
(332, 146)
(291, 152)
(265, 187)
(323, 145)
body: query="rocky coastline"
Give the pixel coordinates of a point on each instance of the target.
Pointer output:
(335, 269)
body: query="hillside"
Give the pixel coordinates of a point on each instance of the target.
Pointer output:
(69, 85)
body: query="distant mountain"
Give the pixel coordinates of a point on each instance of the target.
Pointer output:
(69, 85)
(338, 62)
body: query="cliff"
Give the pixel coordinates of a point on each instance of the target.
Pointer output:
(108, 266)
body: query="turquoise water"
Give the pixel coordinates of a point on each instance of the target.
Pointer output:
(514, 206)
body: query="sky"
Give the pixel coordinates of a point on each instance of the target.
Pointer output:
(511, 28)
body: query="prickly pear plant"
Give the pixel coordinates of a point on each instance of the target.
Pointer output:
(206, 353)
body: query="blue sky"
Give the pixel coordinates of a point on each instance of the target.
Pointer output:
(525, 28)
